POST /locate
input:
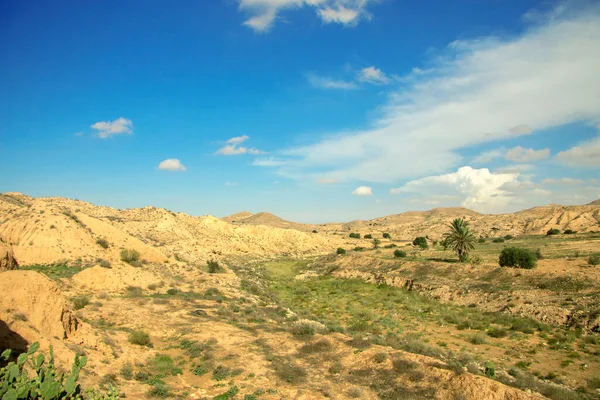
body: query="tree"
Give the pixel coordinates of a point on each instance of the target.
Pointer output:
(399, 253)
(460, 238)
(386, 235)
(340, 251)
(376, 243)
(421, 242)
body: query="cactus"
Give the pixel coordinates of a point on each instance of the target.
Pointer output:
(47, 384)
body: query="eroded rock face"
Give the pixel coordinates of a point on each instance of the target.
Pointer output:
(39, 300)
(7, 258)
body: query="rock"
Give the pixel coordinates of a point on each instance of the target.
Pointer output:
(7, 258)
(199, 313)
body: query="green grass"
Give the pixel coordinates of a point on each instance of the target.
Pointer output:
(54, 271)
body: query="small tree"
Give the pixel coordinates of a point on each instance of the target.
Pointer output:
(376, 243)
(102, 243)
(517, 258)
(340, 251)
(570, 232)
(386, 235)
(129, 255)
(553, 231)
(355, 235)
(369, 236)
(421, 242)
(213, 267)
(460, 238)
(399, 253)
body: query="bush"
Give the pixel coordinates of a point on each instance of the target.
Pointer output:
(498, 240)
(129, 255)
(481, 240)
(126, 371)
(390, 246)
(517, 258)
(358, 248)
(490, 370)
(340, 251)
(399, 253)
(421, 242)
(553, 231)
(172, 292)
(314, 231)
(103, 263)
(539, 255)
(369, 236)
(376, 243)
(102, 243)
(508, 237)
(594, 259)
(80, 301)
(213, 267)
(140, 338)
(386, 235)
(355, 235)
(570, 232)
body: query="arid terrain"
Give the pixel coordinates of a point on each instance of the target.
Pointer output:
(250, 306)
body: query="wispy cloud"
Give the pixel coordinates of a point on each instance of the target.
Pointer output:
(268, 162)
(264, 13)
(171, 164)
(487, 156)
(233, 147)
(586, 154)
(373, 75)
(563, 181)
(328, 83)
(119, 126)
(484, 90)
(520, 154)
(326, 181)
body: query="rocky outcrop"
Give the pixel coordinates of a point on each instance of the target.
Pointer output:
(7, 258)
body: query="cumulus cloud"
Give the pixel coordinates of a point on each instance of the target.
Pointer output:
(119, 126)
(480, 189)
(328, 83)
(586, 154)
(520, 154)
(171, 164)
(482, 91)
(373, 75)
(363, 191)
(233, 147)
(264, 13)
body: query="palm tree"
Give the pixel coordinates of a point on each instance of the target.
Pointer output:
(460, 238)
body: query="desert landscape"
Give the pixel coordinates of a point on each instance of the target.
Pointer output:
(250, 306)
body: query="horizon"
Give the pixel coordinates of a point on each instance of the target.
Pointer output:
(285, 219)
(336, 110)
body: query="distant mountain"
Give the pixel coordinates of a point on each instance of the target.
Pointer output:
(267, 219)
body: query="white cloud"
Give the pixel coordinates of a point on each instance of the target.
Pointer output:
(171, 164)
(520, 130)
(119, 126)
(233, 148)
(586, 154)
(517, 168)
(268, 162)
(326, 181)
(488, 156)
(328, 83)
(562, 181)
(373, 75)
(482, 90)
(520, 154)
(363, 191)
(264, 13)
(479, 189)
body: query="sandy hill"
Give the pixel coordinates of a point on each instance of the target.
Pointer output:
(47, 230)
(267, 219)
(237, 216)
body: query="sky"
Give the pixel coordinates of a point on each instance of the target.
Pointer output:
(314, 110)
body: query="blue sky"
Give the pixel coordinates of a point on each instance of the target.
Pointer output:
(320, 110)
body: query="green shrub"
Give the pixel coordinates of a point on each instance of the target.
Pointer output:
(421, 242)
(129, 255)
(314, 231)
(355, 235)
(340, 251)
(553, 231)
(103, 263)
(126, 371)
(213, 267)
(140, 338)
(386, 235)
(497, 332)
(172, 292)
(517, 258)
(368, 236)
(490, 370)
(220, 373)
(570, 232)
(594, 259)
(508, 237)
(376, 243)
(399, 253)
(80, 301)
(358, 248)
(390, 246)
(102, 243)
(481, 240)
(539, 255)
(498, 240)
